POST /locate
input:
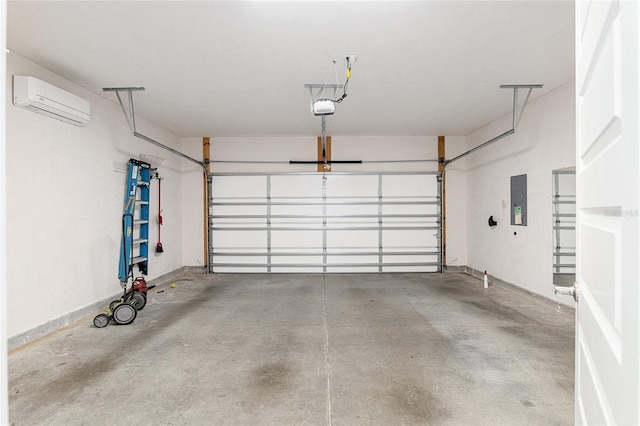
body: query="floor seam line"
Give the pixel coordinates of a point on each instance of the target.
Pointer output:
(325, 320)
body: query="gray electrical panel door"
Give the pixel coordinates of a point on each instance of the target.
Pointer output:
(519, 200)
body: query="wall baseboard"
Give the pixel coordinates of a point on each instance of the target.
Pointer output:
(195, 269)
(58, 323)
(462, 269)
(507, 286)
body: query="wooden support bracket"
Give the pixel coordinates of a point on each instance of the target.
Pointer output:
(206, 157)
(321, 166)
(441, 163)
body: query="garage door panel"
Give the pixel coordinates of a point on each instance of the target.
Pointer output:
(297, 265)
(235, 247)
(241, 269)
(240, 264)
(296, 270)
(352, 186)
(299, 240)
(241, 240)
(299, 248)
(243, 210)
(406, 209)
(410, 238)
(411, 186)
(411, 263)
(365, 220)
(245, 186)
(352, 239)
(410, 268)
(302, 186)
(330, 223)
(291, 215)
(353, 209)
(355, 264)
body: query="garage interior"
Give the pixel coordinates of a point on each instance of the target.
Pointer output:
(401, 348)
(315, 268)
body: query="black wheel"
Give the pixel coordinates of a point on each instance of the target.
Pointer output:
(138, 300)
(101, 320)
(115, 303)
(124, 314)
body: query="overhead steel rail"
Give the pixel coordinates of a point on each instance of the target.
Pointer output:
(516, 116)
(363, 173)
(130, 116)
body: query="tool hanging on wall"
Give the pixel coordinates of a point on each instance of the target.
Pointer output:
(159, 248)
(134, 247)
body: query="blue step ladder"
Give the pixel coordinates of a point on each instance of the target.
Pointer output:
(134, 246)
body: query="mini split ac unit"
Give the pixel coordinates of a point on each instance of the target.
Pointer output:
(47, 99)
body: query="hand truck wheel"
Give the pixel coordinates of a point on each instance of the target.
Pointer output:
(137, 299)
(124, 314)
(101, 320)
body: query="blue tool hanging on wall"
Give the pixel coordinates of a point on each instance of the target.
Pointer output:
(134, 247)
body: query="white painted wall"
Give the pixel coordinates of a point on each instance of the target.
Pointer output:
(64, 204)
(544, 141)
(192, 239)
(281, 150)
(456, 202)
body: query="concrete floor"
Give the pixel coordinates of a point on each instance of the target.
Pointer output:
(308, 349)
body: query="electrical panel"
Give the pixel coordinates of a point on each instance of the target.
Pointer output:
(519, 200)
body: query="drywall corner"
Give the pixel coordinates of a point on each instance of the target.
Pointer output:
(192, 205)
(456, 202)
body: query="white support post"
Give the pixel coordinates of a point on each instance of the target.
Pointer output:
(4, 372)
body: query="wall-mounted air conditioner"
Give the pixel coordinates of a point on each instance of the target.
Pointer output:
(47, 99)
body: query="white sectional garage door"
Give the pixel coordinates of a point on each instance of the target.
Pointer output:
(333, 222)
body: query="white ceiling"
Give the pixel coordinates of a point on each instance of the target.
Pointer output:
(238, 68)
